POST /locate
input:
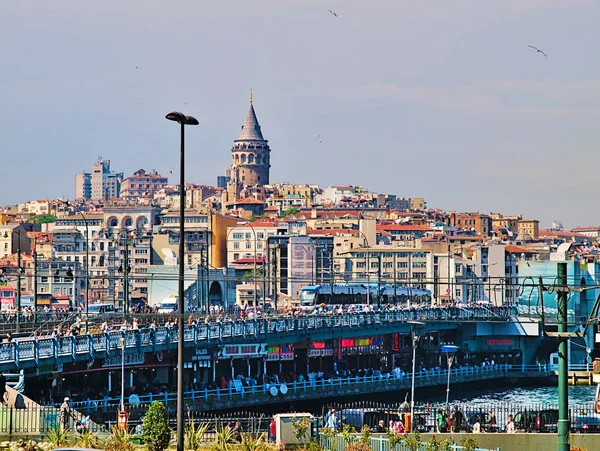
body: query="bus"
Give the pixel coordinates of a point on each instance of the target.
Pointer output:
(362, 294)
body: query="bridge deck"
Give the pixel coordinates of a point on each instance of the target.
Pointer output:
(43, 351)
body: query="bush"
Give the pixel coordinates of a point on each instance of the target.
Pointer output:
(155, 428)
(119, 440)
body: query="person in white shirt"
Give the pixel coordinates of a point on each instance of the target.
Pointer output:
(510, 426)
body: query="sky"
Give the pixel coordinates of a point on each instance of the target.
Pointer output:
(437, 99)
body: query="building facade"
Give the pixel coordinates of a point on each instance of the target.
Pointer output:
(142, 183)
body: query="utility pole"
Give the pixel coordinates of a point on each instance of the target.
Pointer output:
(379, 281)
(126, 278)
(563, 359)
(19, 283)
(35, 279)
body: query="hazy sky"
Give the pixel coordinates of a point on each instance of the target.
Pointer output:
(441, 99)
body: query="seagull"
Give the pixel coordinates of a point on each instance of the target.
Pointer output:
(136, 67)
(332, 12)
(538, 51)
(320, 140)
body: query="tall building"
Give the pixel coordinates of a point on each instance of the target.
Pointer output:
(250, 157)
(223, 180)
(142, 183)
(105, 184)
(83, 185)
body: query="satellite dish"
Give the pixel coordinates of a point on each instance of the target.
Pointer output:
(273, 390)
(283, 389)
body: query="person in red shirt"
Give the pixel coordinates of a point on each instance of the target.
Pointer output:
(273, 430)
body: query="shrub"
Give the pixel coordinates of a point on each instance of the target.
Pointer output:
(155, 428)
(88, 439)
(468, 443)
(59, 436)
(194, 434)
(119, 440)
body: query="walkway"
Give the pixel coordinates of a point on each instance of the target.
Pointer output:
(43, 351)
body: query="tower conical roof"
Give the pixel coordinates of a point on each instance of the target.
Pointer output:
(251, 127)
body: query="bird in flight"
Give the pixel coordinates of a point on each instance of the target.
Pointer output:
(136, 67)
(332, 12)
(538, 51)
(320, 140)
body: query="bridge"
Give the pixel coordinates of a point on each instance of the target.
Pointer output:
(34, 352)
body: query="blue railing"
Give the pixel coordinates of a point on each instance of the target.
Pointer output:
(318, 388)
(34, 351)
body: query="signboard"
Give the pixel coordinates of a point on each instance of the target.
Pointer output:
(130, 359)
(320, 352)
(301, 263)
(200, 354)
(247, 350)
(318, 345)
(499, 342)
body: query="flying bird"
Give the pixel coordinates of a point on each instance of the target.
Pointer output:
(332, 12)
(538, 51)
(136, 67)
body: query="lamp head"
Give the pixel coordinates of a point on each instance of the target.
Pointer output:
(176, 116)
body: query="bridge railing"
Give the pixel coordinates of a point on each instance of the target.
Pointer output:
(339, 384)
(147, 339)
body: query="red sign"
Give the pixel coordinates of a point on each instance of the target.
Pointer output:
(318, 345)
(396, 342)
(499, 342)
(350, 342)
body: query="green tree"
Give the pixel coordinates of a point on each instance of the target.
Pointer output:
(248, 275)
(45, 219)
(290, 211)
(155, 428)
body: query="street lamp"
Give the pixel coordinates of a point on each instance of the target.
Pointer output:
(368, 268)
(254, 275)
(183, 120)
(415, 341)
(122, 374)
(450, 351)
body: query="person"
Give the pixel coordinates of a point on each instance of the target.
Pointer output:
(82, 423)
(65, 413)
(237, 432)
(332, 421)
(381, 429)
(399, 427)
(510, 425)
(476, 426)
(2, 388)
(441, 421)
(456, 417)
(491, 418)
(273, 430)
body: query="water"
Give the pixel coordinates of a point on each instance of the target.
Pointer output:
(526, 395)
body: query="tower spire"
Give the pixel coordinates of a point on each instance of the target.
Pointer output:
(250, 95)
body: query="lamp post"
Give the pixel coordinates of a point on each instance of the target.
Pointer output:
(415, 341)
(450, 351)
(254, 275)
(122, 374)
(183, 120)
(368, 268)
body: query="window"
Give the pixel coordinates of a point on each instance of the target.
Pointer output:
(238, 235)
(260, 235)
(374, 265)
(248, 245)
(360, 264)
(236, 245)
(402, 264)
(248, 236)
(259, 245)
(236, 257)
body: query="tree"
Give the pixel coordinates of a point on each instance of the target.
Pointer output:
(44, 219)
(290, 211)
(249, 275)
(156, 433)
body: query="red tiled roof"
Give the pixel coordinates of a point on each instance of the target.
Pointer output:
(404, 227)
(246, 200)
(465, 237)
(338, 232)
(585, 229)
(518, 250)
